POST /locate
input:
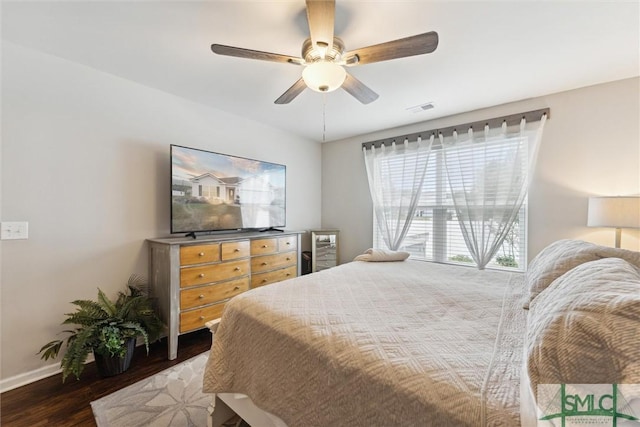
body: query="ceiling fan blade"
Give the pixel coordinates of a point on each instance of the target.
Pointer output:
(239, 52)
(321, 17)
(401, 48)
(292, 92)
(359, 90)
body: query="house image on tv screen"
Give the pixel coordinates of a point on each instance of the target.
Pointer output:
(261, 203)
(251, 190)
(215, 189)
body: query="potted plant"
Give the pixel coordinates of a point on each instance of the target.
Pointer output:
(108, 329)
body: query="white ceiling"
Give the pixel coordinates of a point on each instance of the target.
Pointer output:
(490, 53)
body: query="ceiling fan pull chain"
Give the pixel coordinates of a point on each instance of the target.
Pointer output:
(324, 116)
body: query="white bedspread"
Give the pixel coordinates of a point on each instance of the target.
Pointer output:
(377, 344)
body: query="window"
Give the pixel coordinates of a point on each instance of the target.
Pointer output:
(435, 233)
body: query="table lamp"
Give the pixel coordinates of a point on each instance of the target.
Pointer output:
(616, 212)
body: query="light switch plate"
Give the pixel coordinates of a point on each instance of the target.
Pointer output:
(14, 230)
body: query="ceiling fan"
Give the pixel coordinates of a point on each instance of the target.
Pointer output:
(324, 56)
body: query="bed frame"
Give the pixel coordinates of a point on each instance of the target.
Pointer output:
(225, 405)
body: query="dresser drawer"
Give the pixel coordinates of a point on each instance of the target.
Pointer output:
(264, 246)
(272, 262)
(209, 294)
(191, 276)
(287, 243)
(234, 250)
(195, 319)
(199, 254)
(262, 279)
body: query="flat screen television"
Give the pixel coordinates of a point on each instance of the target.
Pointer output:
(215, 192)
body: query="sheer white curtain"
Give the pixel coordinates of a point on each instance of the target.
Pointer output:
(488, 175)
(396, 174)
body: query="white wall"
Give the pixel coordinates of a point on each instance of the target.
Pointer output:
(85, 159)
(590, 146)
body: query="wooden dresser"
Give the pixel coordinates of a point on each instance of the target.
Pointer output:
(194, 278)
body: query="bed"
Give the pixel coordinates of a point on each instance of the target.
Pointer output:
(371, 343)
(388, 343)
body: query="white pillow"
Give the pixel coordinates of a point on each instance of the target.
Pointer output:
(585, 327)
(631, 257)
(381, 255)
(563, 255)
(555, 260)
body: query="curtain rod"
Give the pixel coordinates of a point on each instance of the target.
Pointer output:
(513, 119)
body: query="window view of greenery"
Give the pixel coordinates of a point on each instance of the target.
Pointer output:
(442, 241)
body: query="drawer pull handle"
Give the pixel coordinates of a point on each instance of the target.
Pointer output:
(264, 263)
(236, 250)
(201, 254)
(201, 317)
(237, 288)
(288, 259)
(236, 269)
(264, 280)
(288, 243)
(264, 246)
(201, 275)
(201, 296)
(288, 274)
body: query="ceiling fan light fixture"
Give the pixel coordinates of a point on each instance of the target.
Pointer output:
(324, 76)
(323, 55)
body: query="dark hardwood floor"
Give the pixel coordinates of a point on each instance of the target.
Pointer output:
(49, 402)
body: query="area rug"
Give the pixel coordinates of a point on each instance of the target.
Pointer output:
(172, 397)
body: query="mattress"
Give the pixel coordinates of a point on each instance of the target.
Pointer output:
(377, 344)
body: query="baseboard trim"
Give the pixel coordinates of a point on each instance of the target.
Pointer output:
(11, 383)
(20, 380)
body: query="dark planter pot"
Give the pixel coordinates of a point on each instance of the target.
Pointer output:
(109, 366)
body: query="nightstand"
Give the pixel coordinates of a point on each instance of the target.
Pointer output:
(325, 251)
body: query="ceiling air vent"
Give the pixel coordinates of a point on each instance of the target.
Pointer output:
(422, 107)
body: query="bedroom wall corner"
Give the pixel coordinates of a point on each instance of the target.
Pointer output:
(346, 202)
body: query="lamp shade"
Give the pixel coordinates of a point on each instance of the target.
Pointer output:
(324, 76)
(618, 212)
